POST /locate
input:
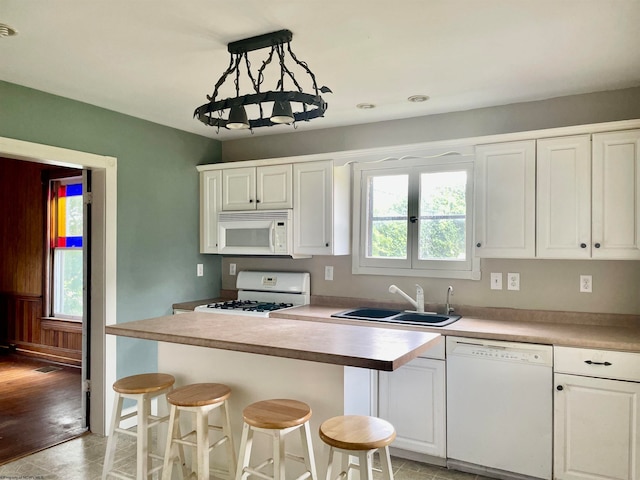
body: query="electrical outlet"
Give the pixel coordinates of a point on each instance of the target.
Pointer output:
(496, 281)
(200, 270)
(232, 269)
(513, 281)
(586, 283)
(328, 273)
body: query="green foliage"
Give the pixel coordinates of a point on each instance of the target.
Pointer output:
(442, 227)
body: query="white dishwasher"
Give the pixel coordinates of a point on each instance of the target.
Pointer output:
(499, 407)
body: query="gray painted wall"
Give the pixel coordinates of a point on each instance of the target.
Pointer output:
(157, 243)
(545, 284)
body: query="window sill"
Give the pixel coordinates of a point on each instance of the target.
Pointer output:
(474, 274)
(63, 319)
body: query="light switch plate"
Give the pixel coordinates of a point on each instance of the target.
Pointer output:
(199, 269)
(328, 273)
(232, 269)
(496, 281)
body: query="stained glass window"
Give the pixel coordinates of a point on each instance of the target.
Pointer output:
(69, 216)
(66, 249)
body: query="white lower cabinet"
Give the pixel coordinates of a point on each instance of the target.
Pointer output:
(413, 399)
(596, 420)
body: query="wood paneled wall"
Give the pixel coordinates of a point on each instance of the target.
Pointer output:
(22, 268)
(21, 227)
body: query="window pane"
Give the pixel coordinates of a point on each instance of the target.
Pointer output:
(67, 282)
(69, 213)
(443, 210)
(387, 222)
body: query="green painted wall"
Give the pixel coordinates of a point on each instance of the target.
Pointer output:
(158, 206)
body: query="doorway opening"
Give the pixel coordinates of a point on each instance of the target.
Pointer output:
(102, 262)
(44, 324)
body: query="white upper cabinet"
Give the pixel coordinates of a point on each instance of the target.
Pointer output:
(616, 195)
(210, 205)
(321, 213)
(266, 187)
(588, 196)
(563, 226)
(505, 176)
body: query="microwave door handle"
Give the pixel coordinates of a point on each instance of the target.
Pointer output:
(272, 237)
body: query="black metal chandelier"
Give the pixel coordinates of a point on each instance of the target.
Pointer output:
(311, 104)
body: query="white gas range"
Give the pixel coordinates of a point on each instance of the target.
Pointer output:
(262, 292)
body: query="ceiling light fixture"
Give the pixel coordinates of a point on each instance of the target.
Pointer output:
(418, 98)
(7, 31)
(365, 106)
(312, 105)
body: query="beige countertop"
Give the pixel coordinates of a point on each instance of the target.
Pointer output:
(327, 342)
(552, 328)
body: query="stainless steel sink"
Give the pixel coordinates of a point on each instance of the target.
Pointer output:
(397, 316)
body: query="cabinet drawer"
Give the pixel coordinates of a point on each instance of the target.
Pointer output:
(597, 363)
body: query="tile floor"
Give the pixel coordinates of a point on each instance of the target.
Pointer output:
(81, 459)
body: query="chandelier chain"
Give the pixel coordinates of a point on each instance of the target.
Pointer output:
(305, 66)
(221, 80)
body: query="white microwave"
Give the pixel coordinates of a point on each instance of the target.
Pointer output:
(255, 232)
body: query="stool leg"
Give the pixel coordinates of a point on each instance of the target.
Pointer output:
(112, 441)
(171, 450)
(226, 431)
(245, 452)
(309, 459)
(366, 465)
(345, 464)
(143, 458)
(278, 456)
(330, 463)
(385, 463)
(202, 441)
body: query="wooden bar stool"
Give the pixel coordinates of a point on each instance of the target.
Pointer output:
(200, 399)
(276, 418)
(141, 388)
(359, 436)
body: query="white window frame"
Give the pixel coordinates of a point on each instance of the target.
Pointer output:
(468, 269)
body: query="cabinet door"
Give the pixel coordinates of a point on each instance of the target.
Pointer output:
(616, 195)
(239, 188)
(596, 428)
(505, 200)
(273, 187)
(210, 204)
(313, 204)
(413, 399)
(563, 227)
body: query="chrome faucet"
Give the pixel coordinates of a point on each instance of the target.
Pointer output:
(418, 303)
(448, 308)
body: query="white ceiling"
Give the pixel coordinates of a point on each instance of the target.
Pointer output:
(157, 60)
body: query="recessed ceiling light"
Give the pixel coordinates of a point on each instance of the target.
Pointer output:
(365, 106)
(418, 98)
(7, 31)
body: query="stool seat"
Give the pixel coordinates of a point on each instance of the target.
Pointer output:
(357, 432)
(144, 383)
(199, 394)
(277, 414)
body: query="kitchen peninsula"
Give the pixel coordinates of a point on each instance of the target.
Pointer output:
(263, 358)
